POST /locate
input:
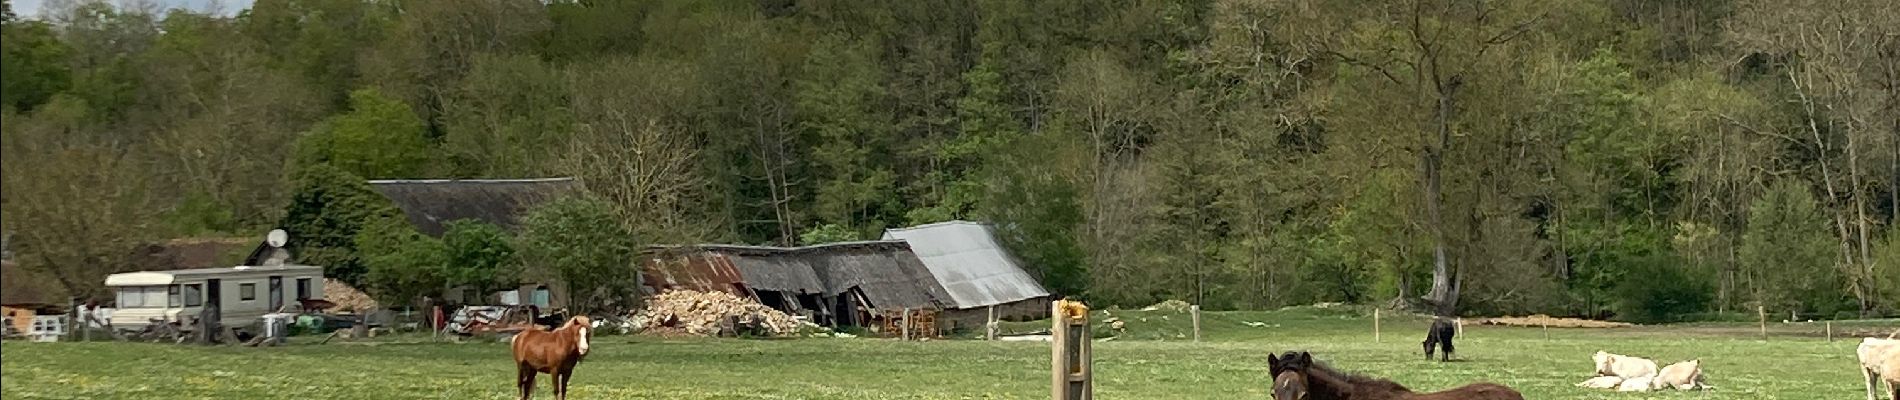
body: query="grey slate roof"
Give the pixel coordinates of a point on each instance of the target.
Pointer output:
(430, 204)
(971, 265)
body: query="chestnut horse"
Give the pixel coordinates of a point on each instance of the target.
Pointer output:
(1297, 377)
(551, 352)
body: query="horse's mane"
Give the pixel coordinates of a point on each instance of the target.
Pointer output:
(1330, 383)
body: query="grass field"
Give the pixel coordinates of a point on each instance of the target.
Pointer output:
(1152, 363)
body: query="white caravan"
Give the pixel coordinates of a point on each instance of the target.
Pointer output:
(243, 294)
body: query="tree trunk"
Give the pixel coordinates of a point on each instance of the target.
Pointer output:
(1444, 297)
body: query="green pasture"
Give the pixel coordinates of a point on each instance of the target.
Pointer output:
(1153, 360)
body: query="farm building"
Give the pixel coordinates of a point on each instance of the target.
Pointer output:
(430, 204)
(25, 295)
(976, 270)
(836, 284)
(242, 294)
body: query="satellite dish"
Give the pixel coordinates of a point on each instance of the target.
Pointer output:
(277, 238)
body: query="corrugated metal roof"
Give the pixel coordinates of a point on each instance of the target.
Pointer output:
(972, 266)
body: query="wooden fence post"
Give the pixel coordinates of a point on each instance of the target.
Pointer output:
(1375, 326)
(1071, 352)
(1762, 313)
(1196, 310)
(989, 325)
(905, 325)
(1830, 331)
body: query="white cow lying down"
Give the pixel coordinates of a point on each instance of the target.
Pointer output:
(1684, 375)
(1880, 360)
(1635, 374)
(1623, 366)
(1602, 382)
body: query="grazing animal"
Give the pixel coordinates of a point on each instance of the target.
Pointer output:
(551, 352)
(1440, 336)
(1880, 360)
(1297, 377)
(1602, 382)
(1623, 366)
(1686, 375)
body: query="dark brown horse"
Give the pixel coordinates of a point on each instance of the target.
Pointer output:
(1297, 377)
(551, 352)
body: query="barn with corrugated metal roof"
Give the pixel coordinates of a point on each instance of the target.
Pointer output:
(977, 271)
(838, 284)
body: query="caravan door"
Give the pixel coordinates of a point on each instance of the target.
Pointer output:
(276, 294)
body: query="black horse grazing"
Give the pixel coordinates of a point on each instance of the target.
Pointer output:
(1440, 335)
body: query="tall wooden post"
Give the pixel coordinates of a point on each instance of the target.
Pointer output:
(905, 324)
(989, 325)
(1196, 310)
(1762, 313)
(1375, 325)
(1071, 352)
(1830, 331)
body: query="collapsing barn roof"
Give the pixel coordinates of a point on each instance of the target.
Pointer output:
(967, 260)
(886, 272)
(430, 204)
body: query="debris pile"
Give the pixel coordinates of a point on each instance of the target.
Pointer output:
(715, 314)
(346, 298)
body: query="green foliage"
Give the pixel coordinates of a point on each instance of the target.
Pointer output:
(199, 215)
(379, 138)
(837, 97)
(1787, 254)
(1657, 288)
(827, 233)
(1036, 216)
(33, 64)
(510, 117)
(328, 207)
(577, 240)
(1237, 154)
(480, 255)
(403, 265)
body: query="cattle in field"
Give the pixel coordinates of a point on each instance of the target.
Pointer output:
(1623, 366)
(1684, 375)
(1880, 361)
(1602, 382)
(1440, 335)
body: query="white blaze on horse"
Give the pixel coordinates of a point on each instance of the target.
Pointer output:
(1623, 366)
(1880, 360)
(551, 352)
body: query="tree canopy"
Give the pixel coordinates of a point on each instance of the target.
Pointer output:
(1457, 156)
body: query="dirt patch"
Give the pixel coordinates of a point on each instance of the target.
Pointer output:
(1546, 320)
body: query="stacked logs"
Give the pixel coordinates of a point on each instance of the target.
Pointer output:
(714, 314)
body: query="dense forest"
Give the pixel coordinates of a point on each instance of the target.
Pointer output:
(1638, 159)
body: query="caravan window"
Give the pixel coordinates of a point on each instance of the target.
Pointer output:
(173, 296)
(303, 288)
(143, 297)
(247, 292)
(194, 295)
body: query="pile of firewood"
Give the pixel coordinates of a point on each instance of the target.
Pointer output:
(347, 298)
(714, 314)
